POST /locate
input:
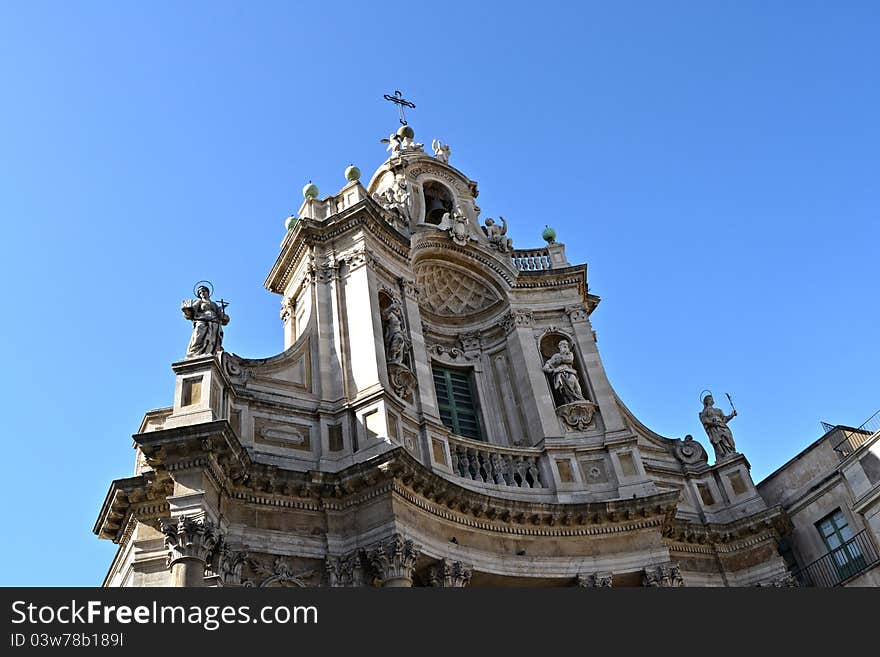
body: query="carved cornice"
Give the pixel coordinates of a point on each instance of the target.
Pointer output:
(771, 524)
(365, 214)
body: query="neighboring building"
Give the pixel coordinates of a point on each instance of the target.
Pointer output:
(439, 416)
(831, 492)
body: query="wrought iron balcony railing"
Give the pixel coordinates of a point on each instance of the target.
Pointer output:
(855, 556)
(854, 439)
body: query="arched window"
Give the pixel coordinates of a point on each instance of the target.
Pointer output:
(438, 201)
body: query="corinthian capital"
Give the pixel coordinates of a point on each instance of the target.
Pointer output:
(189, 538)
(450, 574)
(394, 561)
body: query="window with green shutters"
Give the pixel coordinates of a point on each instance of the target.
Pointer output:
(837, 534)
(458, 403)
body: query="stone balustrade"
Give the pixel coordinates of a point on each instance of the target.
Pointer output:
(492, 464)
(531, 259)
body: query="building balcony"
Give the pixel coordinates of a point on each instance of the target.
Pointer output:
(842, 564)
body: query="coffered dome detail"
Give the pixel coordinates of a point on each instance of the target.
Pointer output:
(448, 292)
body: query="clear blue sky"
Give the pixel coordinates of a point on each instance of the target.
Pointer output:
(714, 163)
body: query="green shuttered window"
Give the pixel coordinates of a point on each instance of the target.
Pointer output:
(458, 403)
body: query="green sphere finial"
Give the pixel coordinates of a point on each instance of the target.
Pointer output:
(406, 131)
(549, 235)
(310, 190)
(352, 173)
(290, 222)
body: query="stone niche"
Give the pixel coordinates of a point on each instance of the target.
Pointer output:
(574, 406)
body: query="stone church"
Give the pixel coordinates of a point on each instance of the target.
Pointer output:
(439, 416)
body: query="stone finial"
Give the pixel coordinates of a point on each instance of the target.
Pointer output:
(352, 173)
(450, 574)
(548, 235)
(394, 560)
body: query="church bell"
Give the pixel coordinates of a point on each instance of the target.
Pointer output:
(435, 210)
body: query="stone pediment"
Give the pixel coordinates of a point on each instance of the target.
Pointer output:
(453, 293)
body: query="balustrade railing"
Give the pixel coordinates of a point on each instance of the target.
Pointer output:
(531, 259)
(495, 465)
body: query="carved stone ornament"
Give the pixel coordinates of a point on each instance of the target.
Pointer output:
(279, 574)
(690, 452)
(459, 230)
(234, 369)
(663, 576)
(450, 574)
(577, 313)
(577, 416)
(348, 570)
(402, 380)
(595, 580)
(189, 538)
(227, 563)
(452, 354)
(393, 560)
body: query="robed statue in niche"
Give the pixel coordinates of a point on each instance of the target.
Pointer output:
(560, 367)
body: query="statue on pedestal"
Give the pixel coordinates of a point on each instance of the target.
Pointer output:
(715, 423)
(208, 320)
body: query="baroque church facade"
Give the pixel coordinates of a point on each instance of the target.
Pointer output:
(439, 416)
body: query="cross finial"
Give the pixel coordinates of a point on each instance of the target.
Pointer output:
(401, 102)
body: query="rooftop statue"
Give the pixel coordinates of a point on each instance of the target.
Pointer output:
(441, 150)
(715, 423)
(208, 320)
(497, 235)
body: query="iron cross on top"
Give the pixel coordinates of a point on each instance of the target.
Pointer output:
(401, 102)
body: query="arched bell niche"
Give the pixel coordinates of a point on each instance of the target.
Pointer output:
(562, 368)
(439, 200)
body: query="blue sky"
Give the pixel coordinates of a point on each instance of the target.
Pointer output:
(714, 163)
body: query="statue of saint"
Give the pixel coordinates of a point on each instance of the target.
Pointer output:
(208, 320)
(715, 423)
(395, 338)
(560, 367)
(498, 235)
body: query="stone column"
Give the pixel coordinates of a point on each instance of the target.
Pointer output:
(663, 575)
(450, 574)
(189, 542)
(394, 561)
